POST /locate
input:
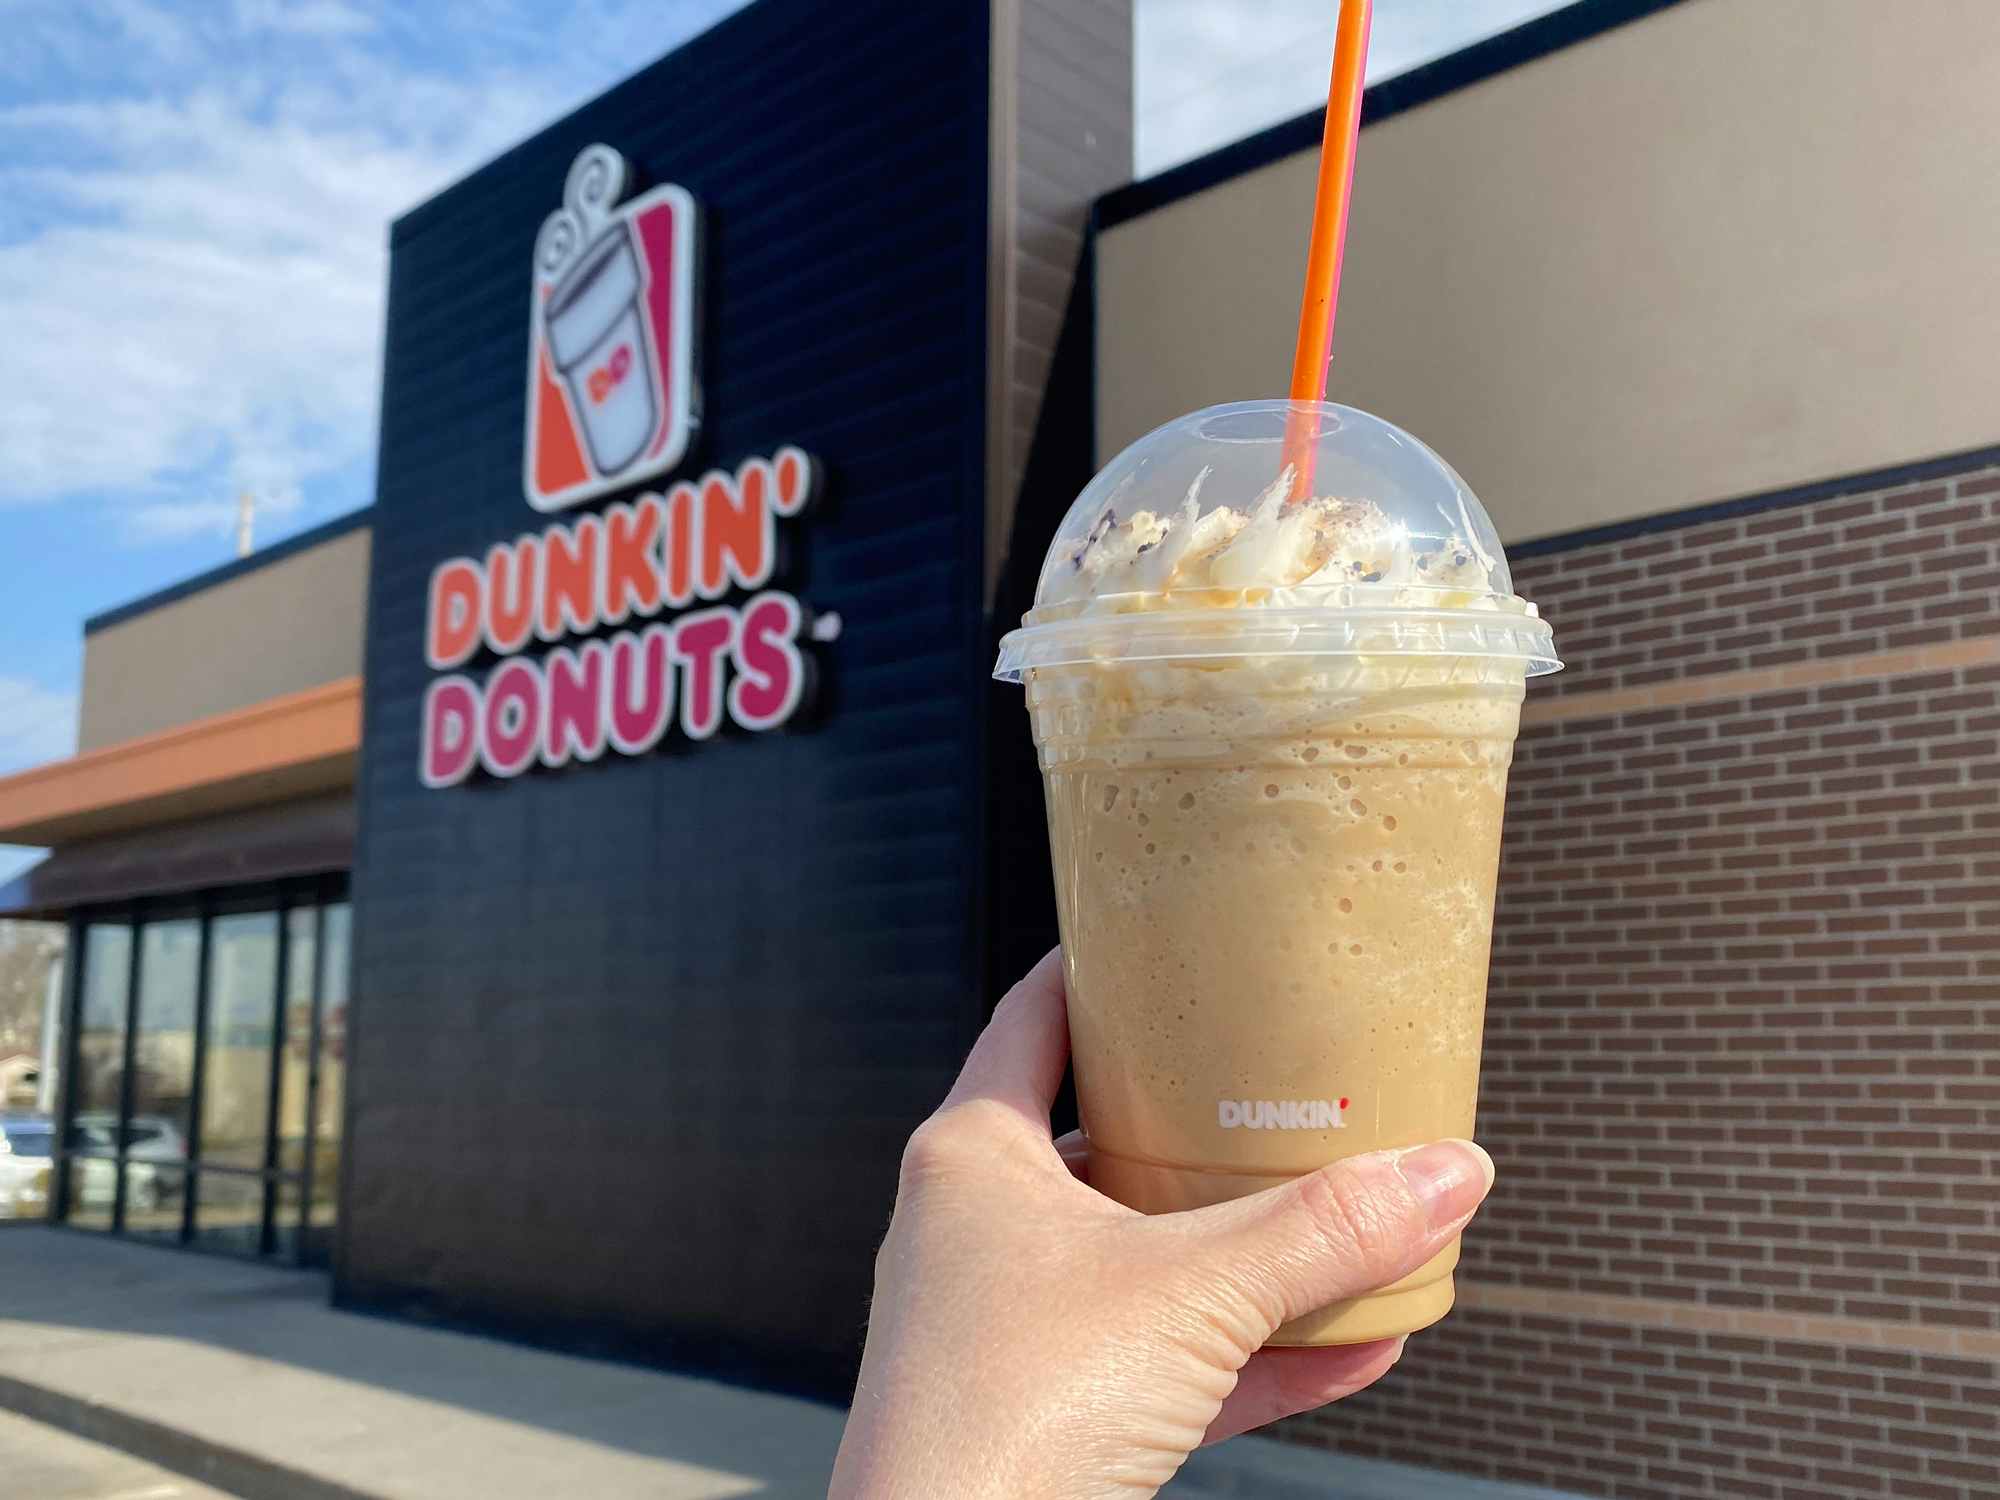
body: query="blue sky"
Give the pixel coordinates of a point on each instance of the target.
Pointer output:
(194, 200)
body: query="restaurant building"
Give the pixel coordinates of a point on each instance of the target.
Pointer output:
(550, 895)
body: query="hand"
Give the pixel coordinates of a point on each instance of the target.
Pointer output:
(1031, 1338)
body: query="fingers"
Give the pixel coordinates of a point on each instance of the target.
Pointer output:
(1018, 1059)
(1343, 1230)
(1282, 1382)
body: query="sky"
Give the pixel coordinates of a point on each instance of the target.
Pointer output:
(194, 209)
(1206, 72)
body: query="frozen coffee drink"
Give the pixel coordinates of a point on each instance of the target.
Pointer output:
(1275, 715)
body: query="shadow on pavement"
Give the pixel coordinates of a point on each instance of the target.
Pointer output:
(359, 1399)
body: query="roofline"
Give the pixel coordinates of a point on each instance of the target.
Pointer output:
(291, 546)
(1888, 476)
(1502, 53)
(304, 740)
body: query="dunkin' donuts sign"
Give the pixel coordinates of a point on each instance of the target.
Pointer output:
(634, 600)
(611, 397)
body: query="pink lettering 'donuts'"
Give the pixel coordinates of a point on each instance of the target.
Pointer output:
(743, 665)
(625, 690)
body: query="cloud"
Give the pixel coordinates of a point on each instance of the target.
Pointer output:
(87, 39)
(1211, 71)
(194, 211)
(155, 27)
(303, 17)
(209, 299)
(194, 204)
(178, 520)
(37, 724)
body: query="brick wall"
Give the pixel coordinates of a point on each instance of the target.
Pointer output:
(1617, 1409)
(1852, 574)
(1743, 1047)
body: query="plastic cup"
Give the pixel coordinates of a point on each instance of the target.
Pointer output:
(1275, 756)
(598, 344)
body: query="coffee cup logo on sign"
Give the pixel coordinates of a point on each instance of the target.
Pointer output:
(611, 397)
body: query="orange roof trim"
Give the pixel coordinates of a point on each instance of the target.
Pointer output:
(283, 747)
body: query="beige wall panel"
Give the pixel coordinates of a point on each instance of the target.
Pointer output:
(1736, 245)
(295, 623)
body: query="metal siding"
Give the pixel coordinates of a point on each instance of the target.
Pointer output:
(1021, 907)
(1068, 122)
(637, 1043)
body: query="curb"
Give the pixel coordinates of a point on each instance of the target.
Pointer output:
(1251, 1466)
(229, 1469)
(1261, 1468)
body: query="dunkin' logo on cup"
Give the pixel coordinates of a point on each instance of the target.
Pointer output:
(1281, 1114)
(611, 397)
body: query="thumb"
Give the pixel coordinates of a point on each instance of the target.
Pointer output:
(1344, 1230)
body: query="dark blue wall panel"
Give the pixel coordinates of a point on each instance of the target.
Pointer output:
(637, 1043)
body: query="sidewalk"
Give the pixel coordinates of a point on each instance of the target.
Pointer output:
(242, 1377)
(45, 1463)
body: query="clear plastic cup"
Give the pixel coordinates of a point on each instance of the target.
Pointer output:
(596, 338)
(1274, 740)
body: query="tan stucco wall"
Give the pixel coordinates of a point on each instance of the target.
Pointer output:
(295, 623)
(1737, 245)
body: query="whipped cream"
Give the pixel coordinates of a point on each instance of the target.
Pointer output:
(1261, 553)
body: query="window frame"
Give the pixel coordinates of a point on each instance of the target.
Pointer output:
(286, 1243)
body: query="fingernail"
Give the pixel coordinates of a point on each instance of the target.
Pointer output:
(1448, 1177)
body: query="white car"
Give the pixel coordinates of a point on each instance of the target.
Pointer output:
(149, 1140)
(27, 1163)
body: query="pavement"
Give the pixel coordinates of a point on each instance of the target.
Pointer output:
(48, 1464)
(242, 1377)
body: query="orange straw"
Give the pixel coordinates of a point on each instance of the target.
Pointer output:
(1329, 238)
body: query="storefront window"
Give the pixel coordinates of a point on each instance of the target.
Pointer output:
(93, 1190)
(332, 1094)
(229, 1212)
(27, 1165)
(153, 1198)
(228, 1129)
(301, 937)
(236, 1079)
(100, 1040)
(163, 1043)
(287, 1224)
(32, 960)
